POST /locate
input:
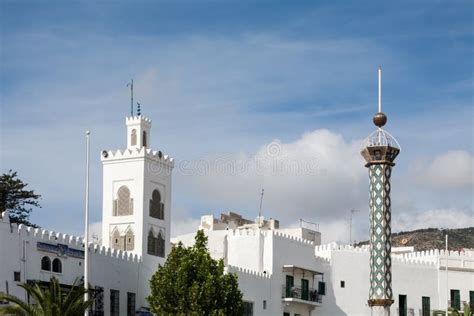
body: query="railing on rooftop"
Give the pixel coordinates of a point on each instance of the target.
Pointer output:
(309, 294)
(309, 225)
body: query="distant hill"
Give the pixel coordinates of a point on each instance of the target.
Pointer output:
(433, 238)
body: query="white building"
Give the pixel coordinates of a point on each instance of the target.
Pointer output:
(287, 272)
(281, 271)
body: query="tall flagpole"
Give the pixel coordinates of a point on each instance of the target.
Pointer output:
(86, 233)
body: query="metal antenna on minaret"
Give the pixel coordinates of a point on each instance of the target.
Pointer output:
(380, 89)
(130, 84)
(260, 209)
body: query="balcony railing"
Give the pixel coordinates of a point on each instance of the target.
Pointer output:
(297, 292)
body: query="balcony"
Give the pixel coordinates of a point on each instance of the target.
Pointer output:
(299, 295)
(305, 293)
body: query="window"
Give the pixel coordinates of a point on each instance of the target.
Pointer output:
(304, 289)
(157, 209)
(471, 300)
(289, 286)
(425, 306)
(286, 314)
(402, 305)
(98, 306)
(456, 299)
(151, 243)
(46, 263)
(343, 284)
(133, 137)
(264, 304)
(129, 240)
(117, 241)
(57, 266)
(321, 288)
(114, 303)
(160, 245)
(144, 138)
(123, 205)
(248, 309)
(17, 276)
(156, 245)
(130, 304)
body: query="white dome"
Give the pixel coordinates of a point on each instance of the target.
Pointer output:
(381, 138)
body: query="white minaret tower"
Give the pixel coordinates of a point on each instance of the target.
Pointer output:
(137, 195)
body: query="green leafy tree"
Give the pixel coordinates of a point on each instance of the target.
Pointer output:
(15, 199)
(192, 283)
(49, 301)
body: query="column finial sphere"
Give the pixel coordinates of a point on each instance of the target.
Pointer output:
(380, 119)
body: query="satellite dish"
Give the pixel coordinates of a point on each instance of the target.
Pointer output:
(105, 154)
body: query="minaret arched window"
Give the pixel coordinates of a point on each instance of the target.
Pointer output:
(156, 245)
(133, 137)
(151, 242)
(123, 205)
(57, 266)
(46, 263)
(157, 209)
(144, 138)
(117, 241)
(129, 240)
(160, 245)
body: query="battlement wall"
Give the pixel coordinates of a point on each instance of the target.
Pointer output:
(248, 272)
(298, 240)
(74, 242)
(143, 152)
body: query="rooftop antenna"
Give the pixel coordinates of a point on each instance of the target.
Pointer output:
(260, 209)
(138, 109)
(130, 84)
(350, 225)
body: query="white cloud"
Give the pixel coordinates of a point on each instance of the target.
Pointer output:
(452, 170)
(318, 177)
(184, 226)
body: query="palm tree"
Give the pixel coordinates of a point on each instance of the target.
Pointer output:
(48, 302)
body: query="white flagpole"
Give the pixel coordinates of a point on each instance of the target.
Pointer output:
(447, 283)
(380, 89)
(86, 233)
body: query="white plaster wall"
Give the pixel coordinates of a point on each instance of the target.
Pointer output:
(118, 172)
(108, 269)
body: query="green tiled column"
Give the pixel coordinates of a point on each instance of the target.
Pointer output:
(380, 233)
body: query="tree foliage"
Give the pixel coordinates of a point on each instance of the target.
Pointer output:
(192, 283)
(51, 301)
(15, 199)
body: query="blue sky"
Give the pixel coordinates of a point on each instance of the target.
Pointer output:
(225, 79)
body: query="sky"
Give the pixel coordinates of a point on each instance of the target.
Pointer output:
(244, 95)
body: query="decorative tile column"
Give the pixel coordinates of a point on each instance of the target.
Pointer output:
(380, 151)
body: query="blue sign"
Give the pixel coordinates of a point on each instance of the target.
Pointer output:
(60, 249)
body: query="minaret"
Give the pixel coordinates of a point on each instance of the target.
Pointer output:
(137, 195)
(379, 152)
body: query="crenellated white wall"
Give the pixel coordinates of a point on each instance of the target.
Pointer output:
(110, 269)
